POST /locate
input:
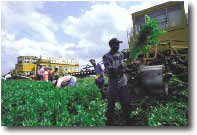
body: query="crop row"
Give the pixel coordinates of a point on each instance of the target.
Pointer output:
(35, 103)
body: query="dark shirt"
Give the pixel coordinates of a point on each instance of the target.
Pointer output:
(98, 69)
(113, 64)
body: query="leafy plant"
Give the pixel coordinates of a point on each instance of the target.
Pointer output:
(147, 37)
(62, 72)
(37, 103)
(159, 110)
(171, 114)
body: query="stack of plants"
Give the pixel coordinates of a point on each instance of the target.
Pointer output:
(147, 38)
(36, 103)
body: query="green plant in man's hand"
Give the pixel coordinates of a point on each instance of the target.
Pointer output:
(147, 37)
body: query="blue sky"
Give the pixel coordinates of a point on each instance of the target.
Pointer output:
(79, 30)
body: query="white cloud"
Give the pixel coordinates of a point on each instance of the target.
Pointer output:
(92, 31)
(6, 36)
(95, 27)
(144, 5)
(26, 32)
(101, 18)
(12, 48)
(20, 17)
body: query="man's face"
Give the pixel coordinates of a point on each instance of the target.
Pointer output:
(115, 47)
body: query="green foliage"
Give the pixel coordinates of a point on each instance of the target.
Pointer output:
(175, 111)
(175, 81)
(171, 114)
(37, 103)
(62, 72)
(164, 111)
(148, 36)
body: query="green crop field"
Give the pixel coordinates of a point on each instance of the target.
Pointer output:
(36, 103)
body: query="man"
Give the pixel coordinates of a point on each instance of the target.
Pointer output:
(40, 72)
(32, 75)
(65, 81)
(50, 74)
(99, 76)
(45, 75)
(55, 74)
(117, 83)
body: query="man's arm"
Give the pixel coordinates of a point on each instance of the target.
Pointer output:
(125, 54)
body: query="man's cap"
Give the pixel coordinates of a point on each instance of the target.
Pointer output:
(114, 40)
